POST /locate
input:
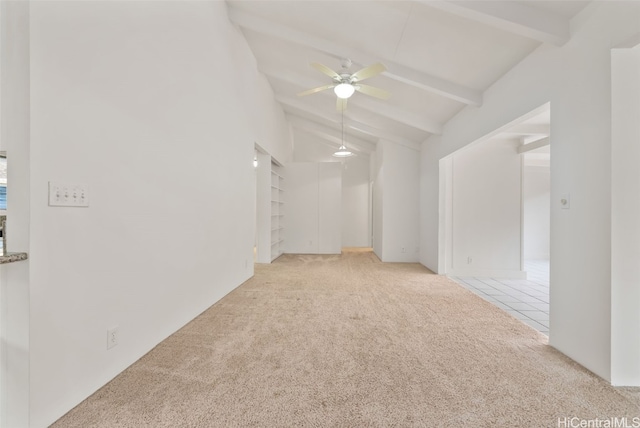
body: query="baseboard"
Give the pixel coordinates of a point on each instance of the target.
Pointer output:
(488, 273)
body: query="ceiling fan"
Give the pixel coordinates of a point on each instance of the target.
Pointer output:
(345, 83)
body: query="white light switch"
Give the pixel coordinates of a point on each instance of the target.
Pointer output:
(68, 195)
(565, 202)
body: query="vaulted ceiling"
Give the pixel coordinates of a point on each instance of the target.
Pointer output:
(440, 57)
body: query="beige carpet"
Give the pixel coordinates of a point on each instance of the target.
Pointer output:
(347, 341)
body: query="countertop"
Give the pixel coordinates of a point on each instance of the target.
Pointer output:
(12, 257)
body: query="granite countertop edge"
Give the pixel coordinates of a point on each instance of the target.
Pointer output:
(12, 257)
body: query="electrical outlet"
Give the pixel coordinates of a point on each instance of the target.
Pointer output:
(469, 260)
(112, 337)
(403, 250)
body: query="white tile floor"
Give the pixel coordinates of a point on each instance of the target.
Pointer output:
(527, 300)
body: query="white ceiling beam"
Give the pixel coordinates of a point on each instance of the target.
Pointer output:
(351, 123)
(387, 136)
(331, 135)
(302, 106)
(533, 146)
(401, 116)
(336, 134)
(529, 129)
(320, 140)
(362, 101)
(432, 84)
(394, 71)
(512, 16)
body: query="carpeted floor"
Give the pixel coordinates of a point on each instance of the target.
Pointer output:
(347, 341)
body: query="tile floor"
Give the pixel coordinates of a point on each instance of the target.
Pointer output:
(527, 300)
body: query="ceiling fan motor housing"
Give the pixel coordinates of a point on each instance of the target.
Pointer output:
(346, 78)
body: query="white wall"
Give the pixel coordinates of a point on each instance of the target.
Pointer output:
(356, 223)
(536, 194)
(431, 200)
(14, 283)
(575, 79)
(330, 208)
(486, 210)
(625, 196)
(301, 204)
(377, 207)
(155, 106)
(356, 229)
(313, 208)
(400, 204)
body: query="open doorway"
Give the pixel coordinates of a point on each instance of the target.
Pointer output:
(495, 216)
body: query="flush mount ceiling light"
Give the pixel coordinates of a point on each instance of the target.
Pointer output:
(342, 151)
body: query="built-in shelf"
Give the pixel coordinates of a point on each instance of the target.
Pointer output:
(277, 215)
(13, 257)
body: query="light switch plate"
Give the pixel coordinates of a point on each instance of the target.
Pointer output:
(565, 201)
(68, 195)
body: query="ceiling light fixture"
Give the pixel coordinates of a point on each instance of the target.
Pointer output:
(342, 151)
(344, 90)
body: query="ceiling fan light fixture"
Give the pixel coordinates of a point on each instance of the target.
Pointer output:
(342, 152)
(344, 90)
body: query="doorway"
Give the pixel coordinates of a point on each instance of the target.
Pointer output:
(494, 225)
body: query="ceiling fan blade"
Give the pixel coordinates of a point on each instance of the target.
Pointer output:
(326, 70)
(314, 90)
(368, 72)
(374, 92)
(341, 104)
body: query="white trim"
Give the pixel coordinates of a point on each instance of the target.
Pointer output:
(488, 273)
